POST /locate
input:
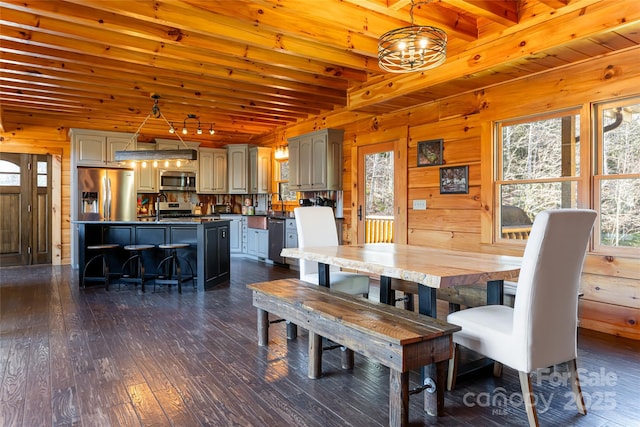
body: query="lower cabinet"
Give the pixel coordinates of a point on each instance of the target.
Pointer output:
(235, 232)
(258, 242)
(291, 239)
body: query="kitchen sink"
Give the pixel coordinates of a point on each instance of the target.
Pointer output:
(257, 222)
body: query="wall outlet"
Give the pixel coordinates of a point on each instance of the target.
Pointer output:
(419, 205)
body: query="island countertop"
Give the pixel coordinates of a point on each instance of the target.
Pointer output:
(186, 220)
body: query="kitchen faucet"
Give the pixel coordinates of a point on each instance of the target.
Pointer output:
(161, 197)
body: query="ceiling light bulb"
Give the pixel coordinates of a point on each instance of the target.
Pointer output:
(178, 163)
(133, 164)
(172, 129)
(155, 163)
(199, 131)
(184, 130)
(144, 164)
(211, 131)
(166, 163)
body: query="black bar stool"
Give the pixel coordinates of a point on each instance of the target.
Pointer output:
(103, 253)
(169, 269)
(133, 268)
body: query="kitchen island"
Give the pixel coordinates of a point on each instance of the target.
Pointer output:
(207, 254)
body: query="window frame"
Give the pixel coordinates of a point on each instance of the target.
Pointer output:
(498, 158)
(588, 180)
(597, 175)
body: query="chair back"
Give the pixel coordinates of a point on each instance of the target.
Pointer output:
(316, 227)
(546, 305)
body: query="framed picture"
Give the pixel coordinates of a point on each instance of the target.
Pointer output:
(430, 152)
(454, 180)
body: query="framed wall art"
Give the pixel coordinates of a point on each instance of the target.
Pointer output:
(454, 180)
(430, 152)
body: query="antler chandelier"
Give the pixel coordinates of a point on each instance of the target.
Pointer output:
(413, 48)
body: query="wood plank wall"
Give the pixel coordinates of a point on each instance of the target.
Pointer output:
(611, 284)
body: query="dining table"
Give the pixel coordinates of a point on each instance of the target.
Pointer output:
(431, 268)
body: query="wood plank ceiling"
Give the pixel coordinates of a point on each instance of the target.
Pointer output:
(249, 67)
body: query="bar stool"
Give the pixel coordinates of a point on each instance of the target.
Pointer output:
(134, 272)
(169, 271)
(103, 251)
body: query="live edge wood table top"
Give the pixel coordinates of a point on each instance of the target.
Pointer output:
(432, 267)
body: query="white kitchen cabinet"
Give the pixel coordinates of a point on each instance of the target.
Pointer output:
(212, 176)
(220, 172)
(235, 232)
(238, 164)
(260, 170)
(97, 148)
(315, 161)
(258, 242)
(146, 177)
(172, 144)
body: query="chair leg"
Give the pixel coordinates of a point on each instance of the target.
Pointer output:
(528, 398)
(453, 368)
(497, 369)
(575, 386)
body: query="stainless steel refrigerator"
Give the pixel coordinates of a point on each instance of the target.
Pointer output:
(106, 194)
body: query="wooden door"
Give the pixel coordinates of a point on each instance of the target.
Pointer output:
(25, 209)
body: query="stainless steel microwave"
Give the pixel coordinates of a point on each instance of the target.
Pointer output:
(177, 180)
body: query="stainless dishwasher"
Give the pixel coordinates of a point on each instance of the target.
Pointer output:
(276, 239)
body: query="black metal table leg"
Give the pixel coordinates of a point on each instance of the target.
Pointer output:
(386, 294)
(323, 274)
(495, 292)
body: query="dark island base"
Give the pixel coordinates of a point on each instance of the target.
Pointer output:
(208, 253)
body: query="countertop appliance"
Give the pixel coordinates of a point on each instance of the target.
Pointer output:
(106, 194)
(177, 180)
(276, 227)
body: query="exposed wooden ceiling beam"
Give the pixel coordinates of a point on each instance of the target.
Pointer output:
(503, 12)
(583, 20)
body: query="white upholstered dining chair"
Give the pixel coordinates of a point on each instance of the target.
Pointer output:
(541, 329)
(316, 227)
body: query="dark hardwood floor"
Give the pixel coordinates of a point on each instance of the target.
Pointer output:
(121, 358)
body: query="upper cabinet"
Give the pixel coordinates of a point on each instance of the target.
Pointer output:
(238, 165)
(259, 170)
(98, 148)
(315, 161)
(146, 174)
(249, 169)
(212, 178)
(172, 144)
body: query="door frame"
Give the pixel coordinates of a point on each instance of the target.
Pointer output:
(56, 192)
(362, 152)
(398, 137)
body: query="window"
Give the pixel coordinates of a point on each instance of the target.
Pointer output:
(9, 174)
(42, 174)
(539, 167)
(617, 174)
(282, 178)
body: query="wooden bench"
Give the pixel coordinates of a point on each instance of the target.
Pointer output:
(399, 339)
